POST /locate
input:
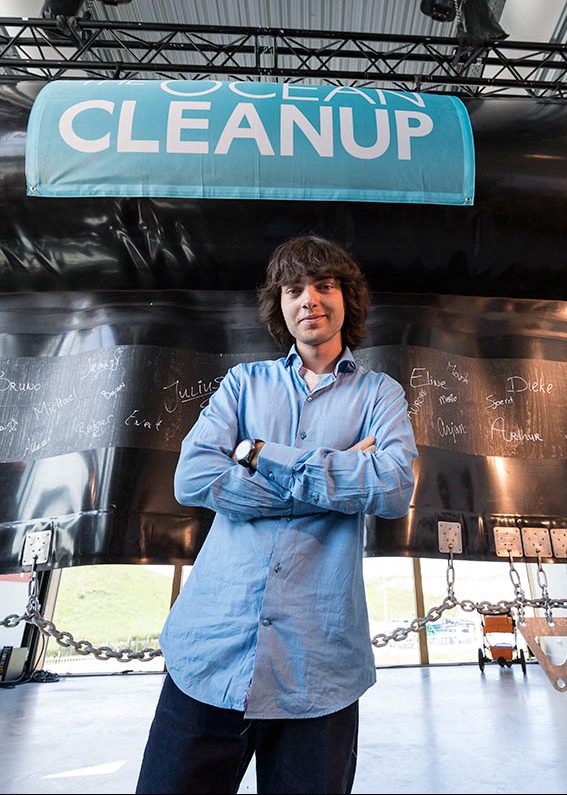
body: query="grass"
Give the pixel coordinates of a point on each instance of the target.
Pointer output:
(111, 605)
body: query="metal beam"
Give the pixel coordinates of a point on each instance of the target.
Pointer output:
(32, 49)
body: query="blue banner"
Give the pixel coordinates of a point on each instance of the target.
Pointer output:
(243, 140)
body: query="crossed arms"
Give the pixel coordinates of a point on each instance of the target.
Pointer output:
(374, 476)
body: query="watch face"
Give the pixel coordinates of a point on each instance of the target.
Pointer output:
(243, 450)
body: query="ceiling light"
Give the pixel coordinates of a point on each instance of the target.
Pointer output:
(440, 10)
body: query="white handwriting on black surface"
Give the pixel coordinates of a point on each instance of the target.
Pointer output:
(417, 403)
(494, 403)
(456, 373)
(517, 434)
(518, 384)
(97, 366)
(443, 399)
(113, 392)
(141, 422)
(10, 426)
(420, 377)
(94, 429)
(451, 429)
(35, 445)
(49, 409)
(17, 386)
(201, 391)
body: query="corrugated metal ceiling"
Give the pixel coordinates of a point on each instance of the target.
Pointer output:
(358, 16)
(368, 16)
(524, 20)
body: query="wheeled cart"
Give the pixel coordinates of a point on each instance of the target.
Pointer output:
(500, 642)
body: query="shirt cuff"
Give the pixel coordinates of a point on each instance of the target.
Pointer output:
(277, 461)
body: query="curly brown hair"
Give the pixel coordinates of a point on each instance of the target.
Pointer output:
(313, 257)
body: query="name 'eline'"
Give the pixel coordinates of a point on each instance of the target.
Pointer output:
(244, 122)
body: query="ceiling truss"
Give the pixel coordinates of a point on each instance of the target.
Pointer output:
(38, 49)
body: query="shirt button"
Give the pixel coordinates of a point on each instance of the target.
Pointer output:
(309, 399)
(278, 568)
(266, 622)
(270, 475)
(303, 435)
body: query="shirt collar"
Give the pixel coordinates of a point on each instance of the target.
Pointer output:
(346, 363)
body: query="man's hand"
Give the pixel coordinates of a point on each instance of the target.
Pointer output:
(254, 461)
(365, 445)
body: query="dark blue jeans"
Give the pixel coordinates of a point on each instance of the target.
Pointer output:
(195, 748)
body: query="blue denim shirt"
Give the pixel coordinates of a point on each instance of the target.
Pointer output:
(273, 619)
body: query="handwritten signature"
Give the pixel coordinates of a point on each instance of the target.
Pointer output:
(201, 391)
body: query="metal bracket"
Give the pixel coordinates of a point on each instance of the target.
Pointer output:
(508, 541)
(533, 630)
(450, 537)
(559, 541)
(37, 545)
(536, 541)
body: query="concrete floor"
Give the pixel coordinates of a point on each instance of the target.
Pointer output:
(446, 729)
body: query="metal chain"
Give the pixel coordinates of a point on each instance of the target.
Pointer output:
(85, 647)
(458, 12)
(33, 615)
(543, 584)
(33, 589)
(518, 590)
(417, 625)
(450, 575)
(468, 606)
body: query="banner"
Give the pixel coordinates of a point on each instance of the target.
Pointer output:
(243, 140)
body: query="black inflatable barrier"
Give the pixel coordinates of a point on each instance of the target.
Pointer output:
(119, 316)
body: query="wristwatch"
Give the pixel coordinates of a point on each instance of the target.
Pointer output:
(244, 452)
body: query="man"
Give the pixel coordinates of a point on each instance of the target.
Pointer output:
(268, 647)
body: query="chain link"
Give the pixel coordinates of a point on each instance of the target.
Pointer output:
(450, 576)
(12, 620)
(518, 590)
(458, 12)
(543, 584)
